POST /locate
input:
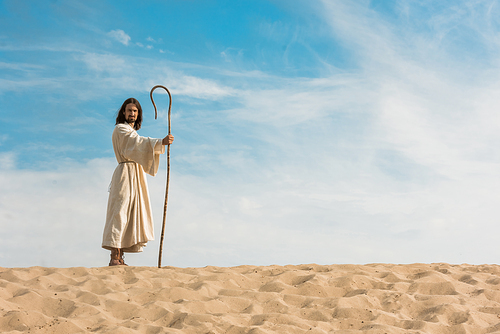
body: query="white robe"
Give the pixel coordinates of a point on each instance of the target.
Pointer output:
(129, 221)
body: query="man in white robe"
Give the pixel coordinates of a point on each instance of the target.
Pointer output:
(129, 220)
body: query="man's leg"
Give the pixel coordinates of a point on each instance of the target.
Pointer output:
(115, 257)
(122, 262)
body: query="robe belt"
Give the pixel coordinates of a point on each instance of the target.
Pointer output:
(127, 162)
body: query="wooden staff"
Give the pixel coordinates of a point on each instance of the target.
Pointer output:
(168, 168)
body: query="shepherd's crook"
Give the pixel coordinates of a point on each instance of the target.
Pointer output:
(168, 167)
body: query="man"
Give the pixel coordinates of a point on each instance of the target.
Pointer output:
(129, 221)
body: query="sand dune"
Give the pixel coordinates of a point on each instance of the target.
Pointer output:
(376, 298)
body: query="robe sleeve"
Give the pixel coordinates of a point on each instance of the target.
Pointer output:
(143, 150)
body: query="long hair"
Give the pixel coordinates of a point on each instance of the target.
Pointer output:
(120, 117)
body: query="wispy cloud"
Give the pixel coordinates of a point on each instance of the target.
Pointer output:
(230, 53)
(133, 74)
(120, 36)
(20, 66)
(105, 62)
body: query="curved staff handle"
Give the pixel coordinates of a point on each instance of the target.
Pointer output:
(168, 168)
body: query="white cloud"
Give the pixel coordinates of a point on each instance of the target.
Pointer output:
(20, 66)
(134, 74)
(120, 36)
(53, 217)
(198, 87)
(104, 62)
(230, 54)
(295, 101)
(7, 161)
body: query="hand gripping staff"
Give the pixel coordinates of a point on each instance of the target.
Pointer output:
(168, 167)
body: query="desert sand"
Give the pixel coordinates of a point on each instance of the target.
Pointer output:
(375, 298)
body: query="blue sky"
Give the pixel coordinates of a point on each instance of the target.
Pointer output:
(306, 131)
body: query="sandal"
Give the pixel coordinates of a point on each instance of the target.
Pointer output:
(122, 262)
(115, 257)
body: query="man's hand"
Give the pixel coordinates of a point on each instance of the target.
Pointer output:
(168, 140)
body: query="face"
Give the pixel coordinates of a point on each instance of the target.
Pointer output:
(131, 113)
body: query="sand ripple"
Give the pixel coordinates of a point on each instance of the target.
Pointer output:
(376, 298)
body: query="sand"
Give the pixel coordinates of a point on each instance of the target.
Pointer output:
(375, 298)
